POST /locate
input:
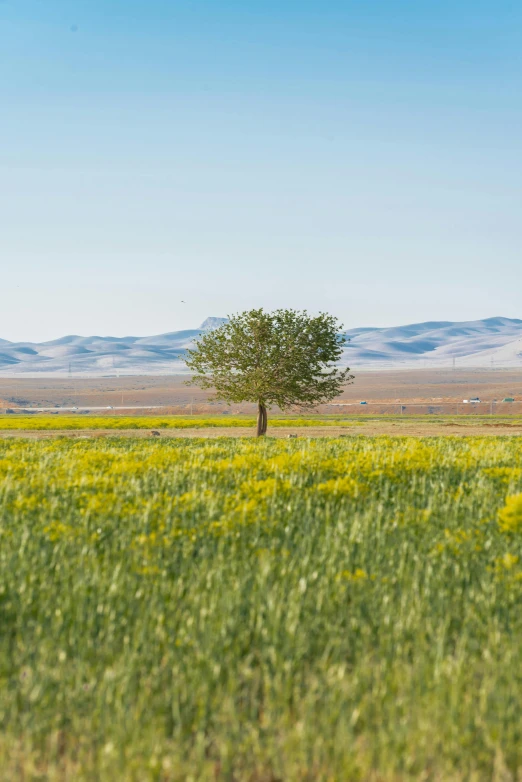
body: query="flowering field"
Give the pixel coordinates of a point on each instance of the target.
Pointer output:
(77, 422)
(343, 609)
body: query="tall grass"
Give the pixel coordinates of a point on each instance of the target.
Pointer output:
(242, 610)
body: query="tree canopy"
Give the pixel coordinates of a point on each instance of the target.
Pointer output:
(285, 358)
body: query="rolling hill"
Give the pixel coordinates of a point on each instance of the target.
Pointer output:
(482, 343)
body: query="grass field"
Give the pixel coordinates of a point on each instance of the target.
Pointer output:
(71, 422)
(82, 422)
(342, 609)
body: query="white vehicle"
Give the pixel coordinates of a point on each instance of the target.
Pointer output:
(109, 407)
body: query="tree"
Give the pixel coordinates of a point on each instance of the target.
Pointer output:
(284, 358)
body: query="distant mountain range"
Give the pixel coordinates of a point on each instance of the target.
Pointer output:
(477, 343)
(481, 343)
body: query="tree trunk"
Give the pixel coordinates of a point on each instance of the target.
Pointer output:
(262, 419)
(265, 420)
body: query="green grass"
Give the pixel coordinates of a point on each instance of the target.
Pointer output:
(278, 610)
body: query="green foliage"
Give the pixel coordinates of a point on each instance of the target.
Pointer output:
(285, 358)
(257, 610)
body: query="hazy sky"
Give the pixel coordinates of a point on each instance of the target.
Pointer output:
(358, 156)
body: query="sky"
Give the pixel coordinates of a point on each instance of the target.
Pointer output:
(162, 161)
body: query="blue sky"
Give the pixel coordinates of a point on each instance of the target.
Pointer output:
(363, 158)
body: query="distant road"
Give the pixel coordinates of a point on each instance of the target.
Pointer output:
(91, 407)
(492, 404)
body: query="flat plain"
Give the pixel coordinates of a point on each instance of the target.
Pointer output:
(199, 604)
(427, 387)
(40, 427)
(419, 402)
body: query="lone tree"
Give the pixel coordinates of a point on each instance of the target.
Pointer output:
(284, 358)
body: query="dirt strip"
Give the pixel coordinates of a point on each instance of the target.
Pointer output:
(370, 428)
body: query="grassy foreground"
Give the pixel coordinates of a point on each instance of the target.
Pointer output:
(275, 610)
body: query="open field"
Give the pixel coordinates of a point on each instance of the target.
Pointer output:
(428, 387)
(331, 609)
(79, 422)
(40, 426)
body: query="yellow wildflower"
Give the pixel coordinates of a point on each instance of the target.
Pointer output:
(510, 516)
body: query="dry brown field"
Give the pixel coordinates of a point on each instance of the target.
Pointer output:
(372, 427)
(434, 390)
